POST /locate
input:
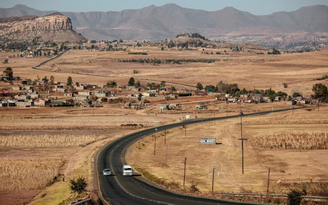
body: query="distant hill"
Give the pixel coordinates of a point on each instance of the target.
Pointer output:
(155, 23)
(53, 27)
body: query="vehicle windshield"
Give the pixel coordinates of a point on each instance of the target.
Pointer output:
(128, 169)
(106, 170)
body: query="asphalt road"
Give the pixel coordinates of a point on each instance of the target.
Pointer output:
(119, 190)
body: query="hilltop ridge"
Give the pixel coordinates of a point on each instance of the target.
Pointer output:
(52, 27)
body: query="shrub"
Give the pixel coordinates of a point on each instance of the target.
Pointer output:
(285, 85)
(294, 197)
(78, 185)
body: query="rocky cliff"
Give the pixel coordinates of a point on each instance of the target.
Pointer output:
(54, 27)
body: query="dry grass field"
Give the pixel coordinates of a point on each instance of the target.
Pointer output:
(247, 69)
(303, 165)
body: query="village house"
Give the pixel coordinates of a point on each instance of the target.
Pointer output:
(79, 88)
(34, 95)
(101, 93)
(149, 94)
(25, 104)
(69, 94)
(152, 91)
(41, 102)
(84, 93)
(130, 87)
(292, 102)
(306, 101)
(5, 93)
(60, 90)
(258, 97)
(18, 88)
(7, 103)
(81, 98)
(170, 97)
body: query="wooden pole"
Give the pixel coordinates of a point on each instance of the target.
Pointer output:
(184, 174)
(213, 181)
(268, 181)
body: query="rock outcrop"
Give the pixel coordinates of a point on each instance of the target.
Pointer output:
(54, 27)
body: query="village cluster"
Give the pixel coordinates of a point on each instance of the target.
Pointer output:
(26, 93)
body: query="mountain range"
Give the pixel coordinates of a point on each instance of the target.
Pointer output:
(156, 23)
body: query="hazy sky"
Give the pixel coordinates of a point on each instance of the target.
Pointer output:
(258, 7)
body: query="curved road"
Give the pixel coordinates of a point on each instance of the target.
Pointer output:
(119, 190)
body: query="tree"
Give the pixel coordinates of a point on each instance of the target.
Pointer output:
(296, 95)
(149, 85)
(61, 47)
(52, 79)
(140, 96)
(111, 84)
(170, 44)
(69, 80)
(5, 61)
(78, 184)
(9, 73)
(163, 84)
(162, 48)
(199, 86)
(103, 99)
(285, 85)
(174, 89)
(289, 98)
(45, 80)
(131, 81)
(320, 91)
(137, 84)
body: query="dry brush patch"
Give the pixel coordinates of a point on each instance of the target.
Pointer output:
(48, 140)
(76, 123)
(293, 119)
(294, 140)
(28, 174)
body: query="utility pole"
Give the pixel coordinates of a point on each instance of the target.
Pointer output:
(185, 130)
(214, 117)
(268, 181)
(165, 137)
(184, 175)
(166, 157)
(227, 108)
(213, 181)
(242, 140)
(155, 142)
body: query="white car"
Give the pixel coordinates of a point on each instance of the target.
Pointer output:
(127, 170)
(107, 172)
